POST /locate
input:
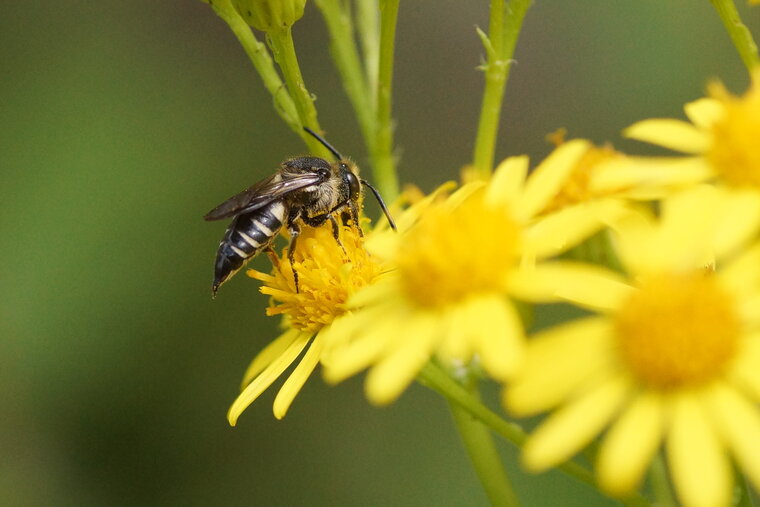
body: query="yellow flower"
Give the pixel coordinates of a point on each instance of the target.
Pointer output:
(604, 173)
(457, 262)
(721, 138)
(327, 276)
(672, 359)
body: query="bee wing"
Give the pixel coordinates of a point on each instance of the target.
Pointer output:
(262, 193)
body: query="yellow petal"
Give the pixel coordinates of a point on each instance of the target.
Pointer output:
(549, 176)
(269, 354)
(704, 112)
(298, 378)
(682, 240)
(569, 429)
(381, 291)
(634, 241)
(630, 445)
(673, 134)
(265, 379)
(749, 308)
(356, 355)
(410, 216)
(642, 177)
(583, 284)
(737, 221)
(388, 379)
(746, 370)
(738, 421)
(566, 228)
(340, 331)
(497, 330)
(383, 244)
(508, 180)
(557, 364)
(455, 344)
(699, 467)
(463, 193)
(741, 275)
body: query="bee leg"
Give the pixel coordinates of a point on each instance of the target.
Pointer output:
(355, 217)
(294, 231)
(273, 256)
(336, 234)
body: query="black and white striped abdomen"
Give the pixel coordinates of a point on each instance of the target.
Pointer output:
(247, 235)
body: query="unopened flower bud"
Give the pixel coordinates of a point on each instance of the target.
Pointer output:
(269, 15)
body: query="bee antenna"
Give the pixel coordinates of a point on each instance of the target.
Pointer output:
(324, 142)
(381, 202)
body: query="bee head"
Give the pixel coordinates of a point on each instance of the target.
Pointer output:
(348, 170)
(303, 165)
(351, 178)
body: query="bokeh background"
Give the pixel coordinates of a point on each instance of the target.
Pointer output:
(123, 122)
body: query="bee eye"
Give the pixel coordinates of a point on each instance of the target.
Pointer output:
(353, 186)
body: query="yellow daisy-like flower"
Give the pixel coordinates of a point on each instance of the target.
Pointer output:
(327, 275)
(721, 138)
(672, 359)
(603, 172)
(457, 260)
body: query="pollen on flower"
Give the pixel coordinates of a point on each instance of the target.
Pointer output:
(735, 152)
(678, 330)
(577, 188)
(454, 252)
(327, 275)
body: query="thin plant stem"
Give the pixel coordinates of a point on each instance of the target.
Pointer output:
(658, 475)
(435, 378)
(744, 493)
(347, 59)
(281, 43)
(384, 163)
(439, 381)
(484, 456)
(739, 33)
(262, 62)
(368, 25)
(504, 27)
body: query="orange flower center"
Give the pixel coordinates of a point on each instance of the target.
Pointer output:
(678, 330)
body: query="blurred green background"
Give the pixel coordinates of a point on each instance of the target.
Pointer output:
(123, 122)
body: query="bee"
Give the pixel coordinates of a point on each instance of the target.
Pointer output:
(305, 190)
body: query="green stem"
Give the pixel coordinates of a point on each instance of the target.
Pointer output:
(484, 456)
(384, 163)
(439, 381)
(504, 28)
(744, 498)
(658, 475)
(346, 56)
(262, 62)
(281, 42)
(739, 33)
(435, 378)
(368, 23)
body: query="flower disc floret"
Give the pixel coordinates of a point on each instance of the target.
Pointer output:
(327, 275)
(677, 331)
(456, 251)
(578, 187)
